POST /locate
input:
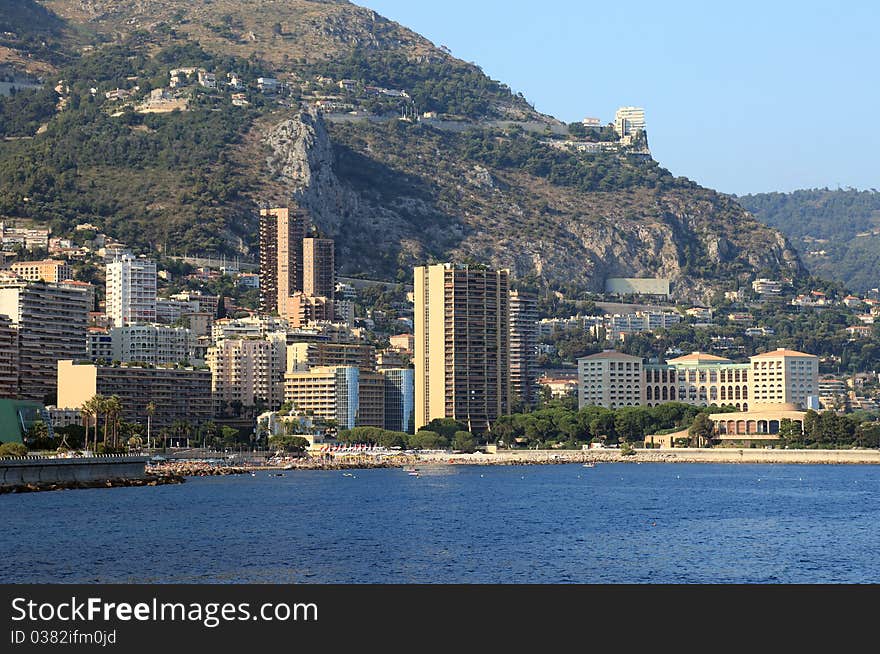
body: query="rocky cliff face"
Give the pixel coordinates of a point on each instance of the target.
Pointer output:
(394, 201)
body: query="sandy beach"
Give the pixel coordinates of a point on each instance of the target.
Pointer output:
(683, 455)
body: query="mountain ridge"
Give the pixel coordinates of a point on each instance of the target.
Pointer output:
(393, 193)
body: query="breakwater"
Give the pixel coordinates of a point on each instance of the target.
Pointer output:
(33, 473)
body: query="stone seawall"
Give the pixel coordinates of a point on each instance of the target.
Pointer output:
(82, 470)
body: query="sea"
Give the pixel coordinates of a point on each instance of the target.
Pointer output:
(615, 523)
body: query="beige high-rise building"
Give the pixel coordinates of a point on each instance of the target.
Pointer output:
(47, 270)
(319, 268)
(250, 371)
(51, 320)
(177, 393)
(281, 256)
(462, 332)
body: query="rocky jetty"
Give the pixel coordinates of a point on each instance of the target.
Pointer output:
(149, 480)
(196, 469)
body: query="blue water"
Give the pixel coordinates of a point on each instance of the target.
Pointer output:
(615, 523)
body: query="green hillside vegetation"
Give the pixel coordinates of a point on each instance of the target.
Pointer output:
(446, 86)
(146, 178)
(845, 224)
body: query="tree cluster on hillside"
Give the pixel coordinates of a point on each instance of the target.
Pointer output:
(120, 172)
(24, 111)
(444, 85)
(843, 223)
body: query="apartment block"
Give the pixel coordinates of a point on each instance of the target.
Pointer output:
(399, 399)
(250, 327)
(303, 356)
(629, 120)
(131, 291)
(177, 393)
(152, 344)
(99, 344)
(281, 256)
(249, 371)
(319, 268)
(51, 322)
(462, 333)
(402, 342)
(523, 347)
(343, 394)
(301, 309)
(47, 270)
(8, 358)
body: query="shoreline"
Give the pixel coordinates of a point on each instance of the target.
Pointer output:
(178, 472)
(682, 455)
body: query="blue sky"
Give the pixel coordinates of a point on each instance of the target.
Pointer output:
(743, 97)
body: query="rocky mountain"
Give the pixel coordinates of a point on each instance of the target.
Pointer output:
(401, 152)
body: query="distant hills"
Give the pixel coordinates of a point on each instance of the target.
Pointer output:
(836, 232)
(471, 173)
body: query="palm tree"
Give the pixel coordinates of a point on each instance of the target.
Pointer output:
(113, 409)
(151, 409)
(93, 408)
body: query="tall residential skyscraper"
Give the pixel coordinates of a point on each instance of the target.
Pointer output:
(523, 347)
(131, 291)
(319, 268)
(461, 345)
(281, 256)
(51, 320)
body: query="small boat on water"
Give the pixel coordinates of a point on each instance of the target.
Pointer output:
(347, 474)
(414, 473)
(589, 465)
(276, 474)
